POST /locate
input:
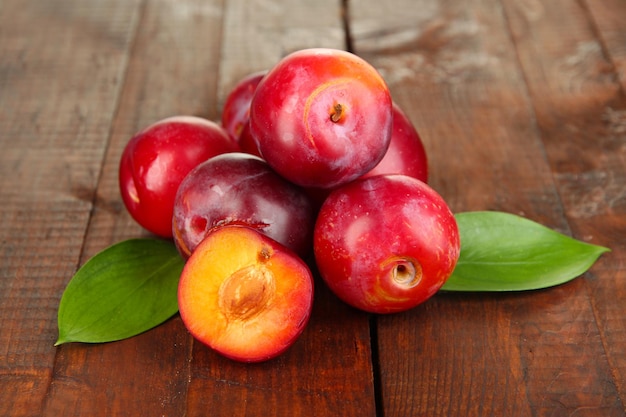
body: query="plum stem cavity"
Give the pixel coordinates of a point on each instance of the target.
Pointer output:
(406, 273)
(337, 113)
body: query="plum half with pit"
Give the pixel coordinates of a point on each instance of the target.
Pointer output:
(245, 295)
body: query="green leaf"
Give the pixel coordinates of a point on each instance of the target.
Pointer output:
(122, 291)
(505, 252)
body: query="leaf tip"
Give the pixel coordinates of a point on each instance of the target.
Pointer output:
(63, 338)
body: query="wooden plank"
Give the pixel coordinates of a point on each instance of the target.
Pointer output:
(454, 69)
(545, 141)
(608, 19)
(53, 136)
(329, 367)
(172, 70)
(258, 33)
(326, 370)
(444, 73)
(581, 112)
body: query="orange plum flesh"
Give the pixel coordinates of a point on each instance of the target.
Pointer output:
(245, 295)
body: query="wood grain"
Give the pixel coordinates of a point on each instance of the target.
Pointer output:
(329, 367)
(456, 71)
(522, 108)
(258, 33)
(53, 136)
(171, 70)
(607, 23)
(581, 112)
(326, 370)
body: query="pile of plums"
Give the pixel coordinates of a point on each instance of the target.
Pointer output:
(312, 162)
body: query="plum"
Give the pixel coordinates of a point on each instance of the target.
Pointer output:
(385, 244)
(239, 188)
(155, 161)
(321, 117)
(245, 295)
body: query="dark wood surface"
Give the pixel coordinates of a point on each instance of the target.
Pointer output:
(522, 108)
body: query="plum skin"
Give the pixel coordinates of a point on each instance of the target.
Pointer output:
(385, 244)
(236, 111)
(406, 153)
(155, 161)
(321, 117)
(239, 188)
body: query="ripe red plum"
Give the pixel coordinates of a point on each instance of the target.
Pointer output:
(155, 161)
(322, 117)
(385, 244)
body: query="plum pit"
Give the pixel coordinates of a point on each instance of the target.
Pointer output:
(247, 292)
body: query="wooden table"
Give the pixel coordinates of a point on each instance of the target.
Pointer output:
(522, 108)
